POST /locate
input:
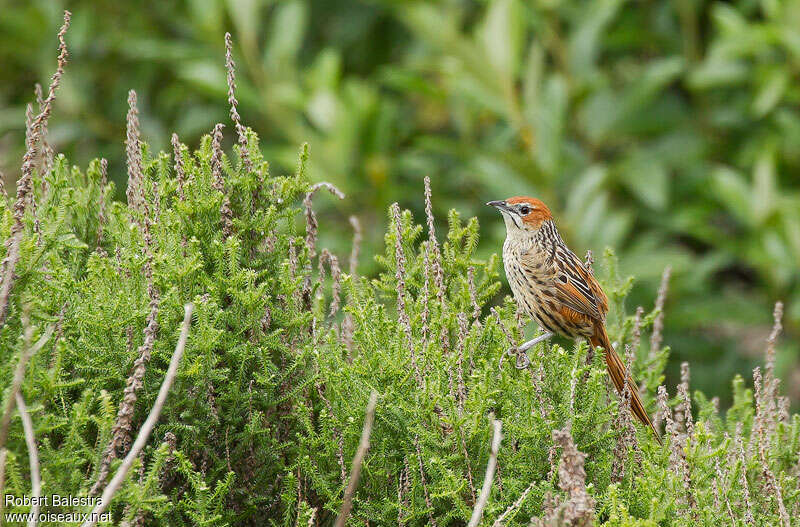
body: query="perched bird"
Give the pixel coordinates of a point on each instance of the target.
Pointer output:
(552, 285)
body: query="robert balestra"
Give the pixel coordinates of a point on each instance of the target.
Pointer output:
(52, 500)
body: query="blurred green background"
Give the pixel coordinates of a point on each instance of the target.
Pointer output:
(669, 131)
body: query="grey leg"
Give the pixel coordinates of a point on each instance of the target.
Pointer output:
(541, 338)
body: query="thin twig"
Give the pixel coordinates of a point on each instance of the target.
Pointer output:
(403, 317)
(658, 323)
(16, 383)
(33, 460)
(230, 66)
(180, 173)
(311, 235)
(436, 254)
(311, 218)
(355, 470)
(102, 218)
(133, 153)
(19, 374)
(149, 423)
(218, 183)
(25, 182)
(428, 502)
(3, 454)
(770, 381)
(748, 511)
(483, 497)
(47, 149)
(513, 507)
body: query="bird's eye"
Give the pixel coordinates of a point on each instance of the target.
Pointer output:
(525, 210)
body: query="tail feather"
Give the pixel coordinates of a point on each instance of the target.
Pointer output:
(616, 370)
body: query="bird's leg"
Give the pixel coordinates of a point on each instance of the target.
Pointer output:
(541, 338)
(520, 351)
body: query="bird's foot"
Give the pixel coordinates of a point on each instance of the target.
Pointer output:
(520, 351)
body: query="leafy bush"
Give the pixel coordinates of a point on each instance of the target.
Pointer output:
(667, 130)
(268, 406)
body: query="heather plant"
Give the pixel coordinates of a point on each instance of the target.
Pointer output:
(667, 130)
(271, 415)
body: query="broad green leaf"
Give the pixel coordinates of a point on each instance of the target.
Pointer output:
(763, 195)
(287, 32)
(501, 36)
(772, 88)
(733, 191)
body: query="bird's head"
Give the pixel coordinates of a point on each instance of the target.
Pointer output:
(522, 214)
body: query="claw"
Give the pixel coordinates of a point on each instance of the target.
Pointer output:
(519, 352)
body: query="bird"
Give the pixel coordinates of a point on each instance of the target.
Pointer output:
(552, 286)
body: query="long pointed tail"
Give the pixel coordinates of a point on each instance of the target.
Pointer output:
(616, 369)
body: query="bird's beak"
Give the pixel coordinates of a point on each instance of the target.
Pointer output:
(501, 205)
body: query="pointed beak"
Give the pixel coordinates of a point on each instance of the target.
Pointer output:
(501, 205)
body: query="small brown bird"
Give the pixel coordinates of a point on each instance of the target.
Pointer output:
(552, 285)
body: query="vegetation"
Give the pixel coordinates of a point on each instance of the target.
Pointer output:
(286, 345)
(666, 130)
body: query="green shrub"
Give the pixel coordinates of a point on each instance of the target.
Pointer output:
(267, 410)
(667, 130)
(268, 406)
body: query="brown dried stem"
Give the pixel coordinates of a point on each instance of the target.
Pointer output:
(149, 423)
(337, 433)
(336, 277)
(355, 470)
(180, 172)
(513, 507)
(121, 432)
(218, 181)
(771, 382)
(624, 424)
(47, 149)
(461, 392)
(428, 503)
(311, 234)
(230, 66)
(483, 497)
(133, 150)
(579, 507)
(403, 489)
(658, 324)
(438, 271)
(19, 373)
(102, 218)
(29, 143)
(677, 458)
(748, 511)
(473, 295)
(25, 183)
(311, 218)
(400, 275)
(684, 410)
(760, 427)
(33, 459)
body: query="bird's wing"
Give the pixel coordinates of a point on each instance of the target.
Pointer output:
(574, 286)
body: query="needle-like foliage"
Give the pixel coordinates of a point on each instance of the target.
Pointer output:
(267, 409)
